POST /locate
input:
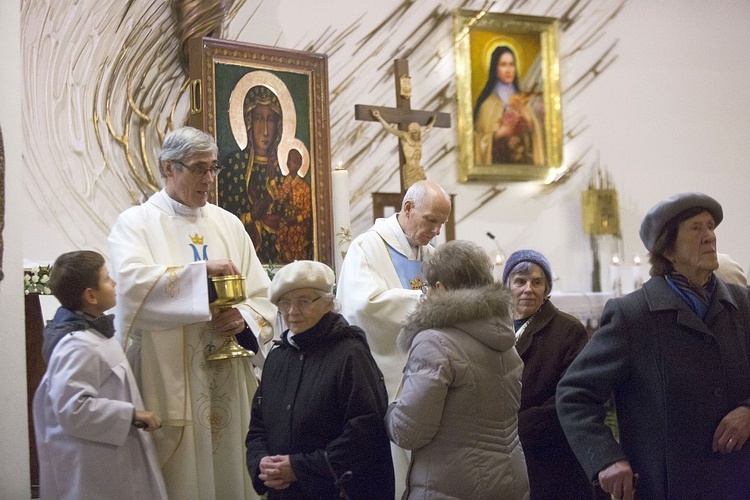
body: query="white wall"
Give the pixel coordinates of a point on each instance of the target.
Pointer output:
(14, 454)
(670, 115)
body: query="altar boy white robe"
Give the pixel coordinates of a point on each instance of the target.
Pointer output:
(158, 251)
(83, 414)
(378, 289)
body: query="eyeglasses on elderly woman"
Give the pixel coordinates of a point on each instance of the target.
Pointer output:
(285, 305)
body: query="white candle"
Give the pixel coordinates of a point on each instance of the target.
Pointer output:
(341, 221)
(637, 276)
(614, 276)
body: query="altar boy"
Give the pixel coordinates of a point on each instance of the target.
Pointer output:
(88, 415)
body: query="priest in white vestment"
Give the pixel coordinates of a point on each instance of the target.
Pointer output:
(381, 282)
(163, 254)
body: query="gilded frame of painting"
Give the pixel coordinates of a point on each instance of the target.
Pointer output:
(532, 150)
(222, 73)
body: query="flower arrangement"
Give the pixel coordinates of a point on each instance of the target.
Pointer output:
(36, 280)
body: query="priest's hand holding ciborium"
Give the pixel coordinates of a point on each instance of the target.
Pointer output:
(230, 291)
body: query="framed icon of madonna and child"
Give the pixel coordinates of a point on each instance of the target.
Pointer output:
(508, 92)
(268, 110)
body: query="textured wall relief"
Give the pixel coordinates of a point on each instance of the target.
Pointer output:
(104, 81)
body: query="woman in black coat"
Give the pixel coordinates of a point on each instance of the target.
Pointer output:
(675, 356)
(317, 427)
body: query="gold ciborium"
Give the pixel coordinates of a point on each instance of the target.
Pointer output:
(230, 291)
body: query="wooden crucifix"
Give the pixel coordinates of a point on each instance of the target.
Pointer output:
(405, 123)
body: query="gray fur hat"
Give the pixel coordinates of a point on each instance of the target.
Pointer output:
(661, 213)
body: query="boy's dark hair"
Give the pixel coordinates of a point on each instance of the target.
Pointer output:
(72, 273)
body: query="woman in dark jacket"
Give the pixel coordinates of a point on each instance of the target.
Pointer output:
(548, 340)
(675, 356)
(317, 426)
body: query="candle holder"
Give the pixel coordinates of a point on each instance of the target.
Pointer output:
(601, 217)
(615, 277)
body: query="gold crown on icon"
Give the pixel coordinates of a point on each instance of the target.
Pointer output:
(198, 240)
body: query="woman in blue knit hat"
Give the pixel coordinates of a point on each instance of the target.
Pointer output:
(547, 340)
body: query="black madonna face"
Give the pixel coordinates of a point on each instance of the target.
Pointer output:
(263, 125)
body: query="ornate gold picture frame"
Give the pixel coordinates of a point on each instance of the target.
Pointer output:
(268, 110)
(510, 118)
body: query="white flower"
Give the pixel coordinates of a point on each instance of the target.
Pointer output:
(35, 279)
(47, 291)
(44, 279)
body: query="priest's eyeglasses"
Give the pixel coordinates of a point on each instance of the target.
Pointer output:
(425, 287)
(302, 304)
(199, 170)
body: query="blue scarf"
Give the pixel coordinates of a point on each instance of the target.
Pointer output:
(697, 299)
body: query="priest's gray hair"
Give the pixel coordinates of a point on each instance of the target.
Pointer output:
(459, 264)
(184, 142)
(421, 190)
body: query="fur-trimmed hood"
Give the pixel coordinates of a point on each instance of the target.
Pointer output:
(484, 313)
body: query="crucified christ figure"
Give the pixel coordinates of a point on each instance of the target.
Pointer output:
(411, 145)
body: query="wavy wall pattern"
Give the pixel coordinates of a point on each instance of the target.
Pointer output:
(104, 81)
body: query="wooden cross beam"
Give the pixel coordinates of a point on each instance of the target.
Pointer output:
(401, 117)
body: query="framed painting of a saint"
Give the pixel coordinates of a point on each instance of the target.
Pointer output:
(268, 110)
(508, 92)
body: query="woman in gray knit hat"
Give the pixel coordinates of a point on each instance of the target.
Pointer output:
(675, 356)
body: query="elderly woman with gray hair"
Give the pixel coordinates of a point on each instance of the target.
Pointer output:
(675, 356)
(548, 340)
(317, 426)
(461, 387)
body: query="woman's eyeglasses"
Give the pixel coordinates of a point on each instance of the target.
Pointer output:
(303, 304)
